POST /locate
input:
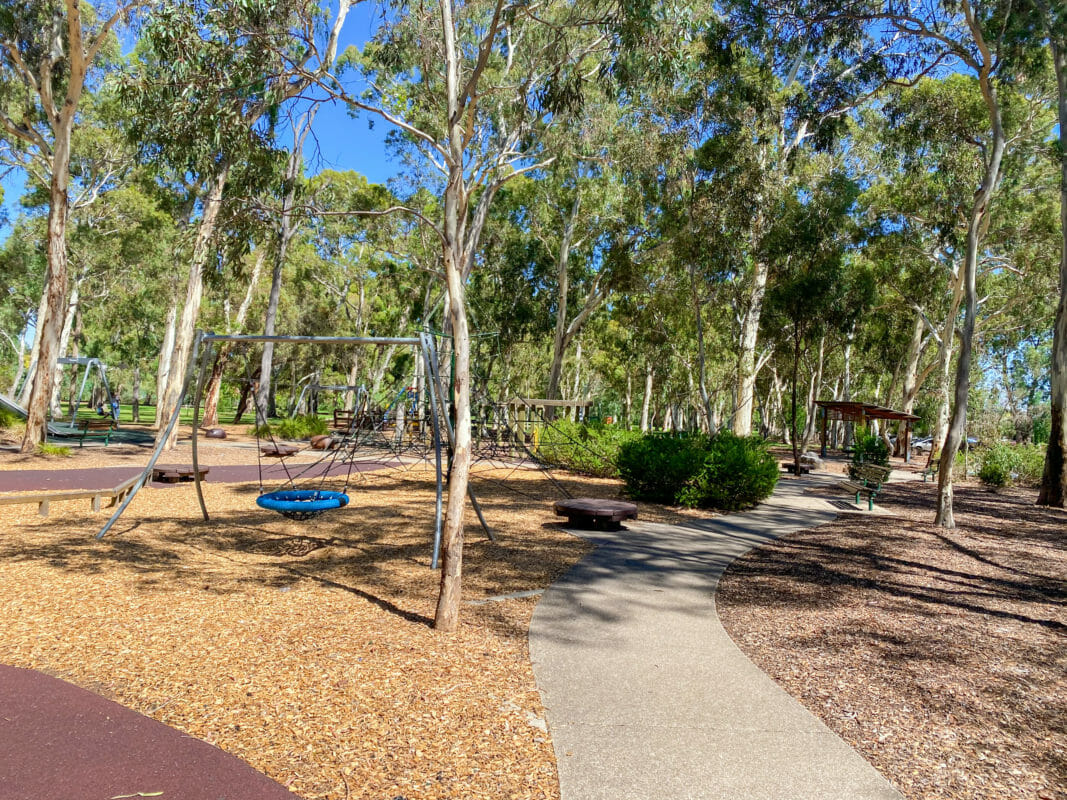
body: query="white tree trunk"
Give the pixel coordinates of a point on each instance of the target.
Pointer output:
(183, 340)
(979, 221)
(746, 361)
(64, 343)
(166, 355)
(646, 402)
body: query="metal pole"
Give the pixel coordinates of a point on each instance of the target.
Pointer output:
(204, 359)
(405, 340)
(159, 443)
(81, 391)
(452, 444)
(107, 388)
(426, 346)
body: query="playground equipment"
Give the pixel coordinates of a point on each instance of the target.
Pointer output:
(201, 357)
(90, 364)
(68, 429)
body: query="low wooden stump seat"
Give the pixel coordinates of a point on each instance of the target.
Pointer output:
(279, 450)
(172, 473)
(214, 433)
(594, 513)
(324, 442)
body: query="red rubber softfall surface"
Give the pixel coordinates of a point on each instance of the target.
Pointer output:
(60, 742)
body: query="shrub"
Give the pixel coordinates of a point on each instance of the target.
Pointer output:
(589, 448)
(658, 466)
(302, 426)
(726, 472)
(999, 462)
(737, 472)
(8, 419)
(1031, 463)
(868, 449)
(46, 449)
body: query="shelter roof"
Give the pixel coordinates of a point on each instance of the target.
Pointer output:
(861, 412)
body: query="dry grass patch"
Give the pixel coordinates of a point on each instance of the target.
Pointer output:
(939, 655)
(304, 648)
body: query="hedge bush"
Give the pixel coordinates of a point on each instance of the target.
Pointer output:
(302, 426)
(738, 472)
(726, 472)
(658, 466)
(999, 462)
(589, 448)
(1003, 463)
(868, 449)
(1031, 463)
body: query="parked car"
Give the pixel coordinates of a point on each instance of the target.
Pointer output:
(923, 444)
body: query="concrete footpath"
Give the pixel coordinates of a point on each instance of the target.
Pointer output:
(647, 696)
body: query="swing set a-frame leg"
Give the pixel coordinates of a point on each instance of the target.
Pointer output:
(436, 378)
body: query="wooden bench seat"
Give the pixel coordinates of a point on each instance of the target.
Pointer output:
(591, 512)
(96, 429)
(867, 480)
(932, 470)
(343, 420)
(43, 500)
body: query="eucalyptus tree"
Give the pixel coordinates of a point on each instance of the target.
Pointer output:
(771, 91)
(812, 291)
(968, 36)
(209, 82)
(51, 54)
(469, 91)
(1051, 18)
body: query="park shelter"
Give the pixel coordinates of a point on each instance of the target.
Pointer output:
(862, 414)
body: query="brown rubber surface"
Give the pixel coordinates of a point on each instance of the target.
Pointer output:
(60, 742)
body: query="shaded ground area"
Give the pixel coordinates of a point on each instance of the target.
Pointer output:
(58, 740)
(940, 655)
(304, 648)
(273, 473)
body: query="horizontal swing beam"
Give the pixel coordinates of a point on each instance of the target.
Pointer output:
(222, 337)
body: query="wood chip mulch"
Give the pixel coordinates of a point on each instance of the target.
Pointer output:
(305, 648)
(940, 655)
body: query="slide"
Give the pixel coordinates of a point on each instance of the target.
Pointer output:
(53, 429)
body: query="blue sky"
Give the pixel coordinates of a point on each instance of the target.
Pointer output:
(339, 141)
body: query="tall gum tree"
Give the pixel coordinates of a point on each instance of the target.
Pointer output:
(48, 52)
(227, 71)
(469, 90)
(773, 89)
(968, 35)
(1054, 479)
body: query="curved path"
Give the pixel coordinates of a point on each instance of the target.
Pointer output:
(648, 697)
(60, 742)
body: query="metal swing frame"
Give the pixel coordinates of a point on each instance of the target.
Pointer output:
(90, 364)
(203, 348)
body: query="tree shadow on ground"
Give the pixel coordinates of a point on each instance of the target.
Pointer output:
(947, 642)
(378, 548)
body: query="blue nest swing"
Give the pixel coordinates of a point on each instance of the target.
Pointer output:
(302, 504)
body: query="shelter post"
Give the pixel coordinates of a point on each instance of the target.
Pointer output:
(822, 450)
